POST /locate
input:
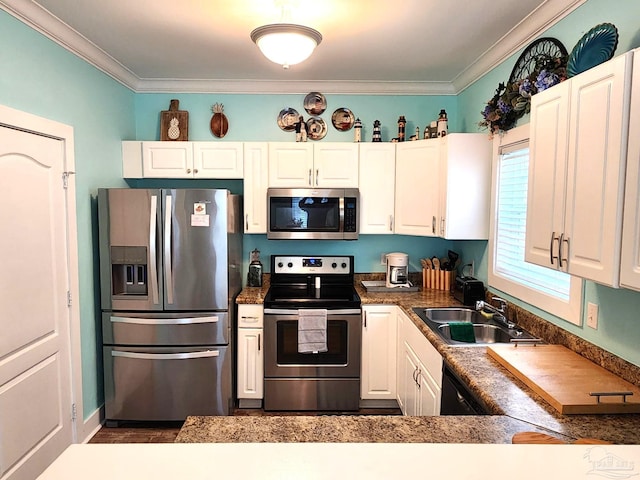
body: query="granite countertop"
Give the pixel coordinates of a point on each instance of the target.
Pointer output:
(513, 406)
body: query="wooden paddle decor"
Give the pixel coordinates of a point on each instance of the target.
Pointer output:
(219, 122)
(174, 123)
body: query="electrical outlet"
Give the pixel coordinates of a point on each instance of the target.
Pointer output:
(592, 315)
(383, 259)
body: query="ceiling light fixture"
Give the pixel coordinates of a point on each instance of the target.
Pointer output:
(286, 43)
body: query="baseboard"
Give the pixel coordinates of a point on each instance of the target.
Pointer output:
(378, 403)
(91, 425)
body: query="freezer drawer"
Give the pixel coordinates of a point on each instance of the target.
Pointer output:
(165, 329)
(166, 384)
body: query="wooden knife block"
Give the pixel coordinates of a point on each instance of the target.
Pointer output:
(437, 279)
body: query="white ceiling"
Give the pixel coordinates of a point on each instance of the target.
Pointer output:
(369, 46)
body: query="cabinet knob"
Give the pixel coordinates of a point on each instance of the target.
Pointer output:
(188, 170)
(195, 170)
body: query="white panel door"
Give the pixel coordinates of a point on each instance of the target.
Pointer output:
(377, 167)
(335, 165)
(547, 175)
(379, 340)
(35, 360)
(218, 160)
(167, 159)
(250, 363)
(417, 188)
(290, 164)
(256, 181)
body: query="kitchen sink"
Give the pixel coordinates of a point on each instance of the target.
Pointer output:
(486, 330)
(446, 315)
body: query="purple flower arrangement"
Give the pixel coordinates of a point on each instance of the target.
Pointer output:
(513, 100)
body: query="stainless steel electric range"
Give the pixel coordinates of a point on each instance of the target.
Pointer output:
(323, 380)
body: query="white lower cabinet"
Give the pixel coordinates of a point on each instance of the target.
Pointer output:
(419, 371)
(379, 353)
(250, 365)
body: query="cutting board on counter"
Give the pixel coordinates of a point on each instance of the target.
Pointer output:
(565, 379)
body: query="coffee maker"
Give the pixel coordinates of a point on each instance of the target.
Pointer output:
(397, 270)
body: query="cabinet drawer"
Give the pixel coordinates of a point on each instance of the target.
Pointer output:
(250, 316)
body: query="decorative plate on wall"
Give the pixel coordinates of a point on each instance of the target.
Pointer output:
(595, 47)
(316, 128)
(315, 103)
(539, 50)
(342, 119)
(287, 119)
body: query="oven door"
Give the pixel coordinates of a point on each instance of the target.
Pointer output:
(342, 359)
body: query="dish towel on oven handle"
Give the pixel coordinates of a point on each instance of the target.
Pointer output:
(312, 330)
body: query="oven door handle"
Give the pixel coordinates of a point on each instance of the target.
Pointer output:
(288, 311)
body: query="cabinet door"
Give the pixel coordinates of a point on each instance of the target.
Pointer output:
(379, 337)
(217, 160)
(429, 393)
(167, 159)
(409, 385)
(335, 165)
(630, 261)
(250, 363)
(256, 180)
(596, 168)
(465, 177)
(377, 187)
(547, 174)
(290, 164)
(417, 188)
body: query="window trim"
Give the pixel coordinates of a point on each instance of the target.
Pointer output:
(570, 311)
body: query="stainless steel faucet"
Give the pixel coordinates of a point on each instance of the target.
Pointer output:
(500, 313)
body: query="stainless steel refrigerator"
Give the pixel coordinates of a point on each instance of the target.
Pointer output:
(170, 269)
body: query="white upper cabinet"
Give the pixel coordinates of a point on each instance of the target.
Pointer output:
(443, 187)
(630, 261)
(256, 179)
(182, 159)
(377, 187)
(577, 168)
(218, 160)
(307, 165)
(417, 188)
(465, 186)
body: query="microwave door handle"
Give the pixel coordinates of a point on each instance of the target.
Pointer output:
(167, 249)
(153, 246)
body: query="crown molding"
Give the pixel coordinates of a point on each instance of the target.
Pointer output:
(53, 28)
(537, 22)
(351, 87)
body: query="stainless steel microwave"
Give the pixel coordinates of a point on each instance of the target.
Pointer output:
(313, 213)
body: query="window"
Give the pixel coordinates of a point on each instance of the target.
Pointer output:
(553, 291)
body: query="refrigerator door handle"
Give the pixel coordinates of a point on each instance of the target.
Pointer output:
(166, 356)
(164, 321)
(167, 249)
(153, 267)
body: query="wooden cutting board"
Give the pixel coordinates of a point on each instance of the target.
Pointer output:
(565, 379)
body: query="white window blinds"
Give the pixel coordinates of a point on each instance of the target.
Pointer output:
(511, 216)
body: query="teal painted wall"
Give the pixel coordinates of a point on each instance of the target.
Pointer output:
(41, 78)
(619, 324)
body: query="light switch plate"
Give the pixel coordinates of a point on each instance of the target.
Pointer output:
(592, 315)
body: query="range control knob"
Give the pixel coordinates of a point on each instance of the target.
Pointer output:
(334, 265)
(279, 264)
(290, 264)
(344, 265)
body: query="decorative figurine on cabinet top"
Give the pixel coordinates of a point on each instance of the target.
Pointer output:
(377, 136)
(357, 126)
(401, 124)
(442, 124)
(301, 130)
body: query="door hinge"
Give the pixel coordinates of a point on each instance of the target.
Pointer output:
(68, 298)
(74, 412)
(65, 179)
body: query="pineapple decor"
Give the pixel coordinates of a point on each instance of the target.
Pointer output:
(174, 123)
(219, 122)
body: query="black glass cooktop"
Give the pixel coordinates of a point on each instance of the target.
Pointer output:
(327, 296)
